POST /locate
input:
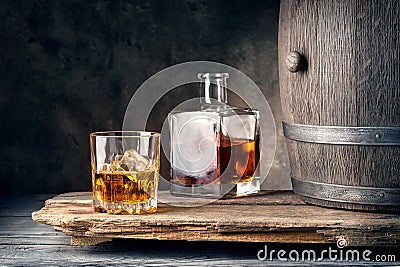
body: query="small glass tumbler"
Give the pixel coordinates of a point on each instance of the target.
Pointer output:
(125, 171)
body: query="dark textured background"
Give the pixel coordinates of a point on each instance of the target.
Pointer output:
(68, 68)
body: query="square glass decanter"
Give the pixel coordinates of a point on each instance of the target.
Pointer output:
(214, 147)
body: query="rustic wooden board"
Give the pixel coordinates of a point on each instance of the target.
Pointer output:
(270, 217)
(24, 242)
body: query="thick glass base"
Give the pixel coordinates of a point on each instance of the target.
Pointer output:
(125, 208)
(245, 189)
(203, 191)
(218, 190)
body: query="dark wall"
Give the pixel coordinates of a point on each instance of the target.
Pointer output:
(68, 68)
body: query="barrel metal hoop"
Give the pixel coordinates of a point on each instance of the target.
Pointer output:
(340, 135)
(347, 194)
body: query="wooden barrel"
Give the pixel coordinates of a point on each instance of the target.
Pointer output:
(339, 82)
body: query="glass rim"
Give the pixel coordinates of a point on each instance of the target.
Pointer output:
(128, 134)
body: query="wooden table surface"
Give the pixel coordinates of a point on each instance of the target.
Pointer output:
(24, 242)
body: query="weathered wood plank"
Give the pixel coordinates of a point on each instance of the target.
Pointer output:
(275, 217)
(24, 242)
(17, 227)
(151, 254)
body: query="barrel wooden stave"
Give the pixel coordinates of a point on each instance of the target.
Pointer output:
(351, 79)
